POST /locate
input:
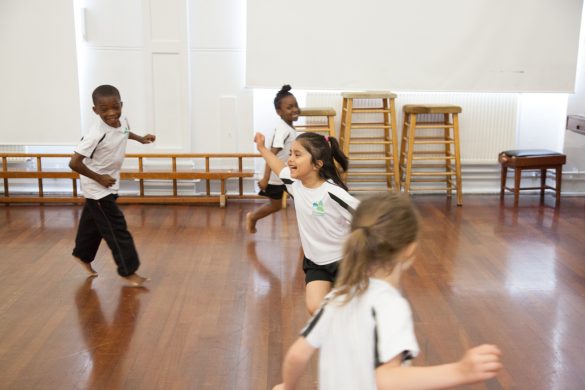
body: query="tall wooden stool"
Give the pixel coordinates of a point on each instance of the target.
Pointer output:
(431, 157)
(374, 158)
(318, 120)
(534, 159)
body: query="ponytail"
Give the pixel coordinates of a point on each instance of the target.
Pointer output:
(353, 272)
(327, 150)
(382, 227)
(284, 92)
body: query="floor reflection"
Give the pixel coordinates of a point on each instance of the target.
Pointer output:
(107, 342)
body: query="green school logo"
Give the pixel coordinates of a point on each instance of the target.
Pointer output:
(318, 208)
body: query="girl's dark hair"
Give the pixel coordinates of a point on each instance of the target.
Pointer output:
(104, 90)
(327, 150)
(284, 92)
(382, 226)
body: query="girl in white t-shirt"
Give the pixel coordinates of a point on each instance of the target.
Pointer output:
(322, 204)
(364, 327)
(271, 186)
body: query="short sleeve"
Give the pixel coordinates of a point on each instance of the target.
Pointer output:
(316, 328)
(394, 328)
(287, 180)
(89, 142)
(345, 203)
(280, 134)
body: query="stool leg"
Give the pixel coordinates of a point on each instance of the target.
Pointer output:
(503, 177)
(394, 146)
(542, 183)
(348, 119)
(457, 159)
(517, 177)
(448, 155)
(387, 147)
(403, 142)
(558, 180)
(411, 134)
(342, 124)
(331, 125)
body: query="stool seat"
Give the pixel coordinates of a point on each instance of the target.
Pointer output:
(531, 159)
(369, 95)
(317, 111)
(430, 109)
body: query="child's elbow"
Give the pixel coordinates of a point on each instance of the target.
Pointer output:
(74, 165)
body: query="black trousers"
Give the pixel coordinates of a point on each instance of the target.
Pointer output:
(103, 218)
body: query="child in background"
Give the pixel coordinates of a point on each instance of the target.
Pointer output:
(98, 159)
(270, 185)
(364, 327)
(322, 204)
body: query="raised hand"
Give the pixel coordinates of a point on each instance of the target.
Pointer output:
(148, 138)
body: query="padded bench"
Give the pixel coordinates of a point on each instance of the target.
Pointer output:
(532, 159)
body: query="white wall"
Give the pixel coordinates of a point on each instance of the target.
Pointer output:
(195, 49)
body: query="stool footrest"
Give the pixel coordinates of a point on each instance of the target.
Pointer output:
(431, 125)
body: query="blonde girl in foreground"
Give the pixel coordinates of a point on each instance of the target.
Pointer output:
(364, 327)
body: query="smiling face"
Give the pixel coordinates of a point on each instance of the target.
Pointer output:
(301, 163)
(109, 108)
(288, 109)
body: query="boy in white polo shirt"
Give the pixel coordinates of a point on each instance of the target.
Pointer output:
(98, 159)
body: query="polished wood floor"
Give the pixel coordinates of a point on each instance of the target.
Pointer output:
(223, 306)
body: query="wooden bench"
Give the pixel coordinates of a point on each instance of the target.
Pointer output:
(532, 159)
(140, 174)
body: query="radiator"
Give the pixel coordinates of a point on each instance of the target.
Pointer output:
(487, 122)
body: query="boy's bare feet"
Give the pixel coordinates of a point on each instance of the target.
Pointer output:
(136, 280)
(250, 224)
(86, 266)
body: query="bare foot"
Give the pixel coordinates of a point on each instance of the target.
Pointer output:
(136, 280)
(250, 224)
(86, 266)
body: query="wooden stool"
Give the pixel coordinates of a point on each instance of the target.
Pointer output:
(421, 165)
(540, 159)
(376, 161)
(320, 120)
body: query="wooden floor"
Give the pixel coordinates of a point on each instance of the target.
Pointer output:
(223, 306)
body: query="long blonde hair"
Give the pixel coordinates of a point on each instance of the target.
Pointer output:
(382, 226)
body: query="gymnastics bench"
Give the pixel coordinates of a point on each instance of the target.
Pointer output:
(141, 175)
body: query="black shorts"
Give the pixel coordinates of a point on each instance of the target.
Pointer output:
(273, 191)
(327, 272)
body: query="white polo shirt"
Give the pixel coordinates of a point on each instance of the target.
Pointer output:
(324, 217)
(104, 148)
(357, 337)
(284, 135)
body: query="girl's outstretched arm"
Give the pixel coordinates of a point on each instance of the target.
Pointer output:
(478, 364)
(273, 162)
(295, 362)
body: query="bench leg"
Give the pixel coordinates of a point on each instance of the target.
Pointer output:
(517, 177)
(542, 183)
(503, 176)
(222, 197)
(558, 180)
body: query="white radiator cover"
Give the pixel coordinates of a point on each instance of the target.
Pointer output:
(487, 122)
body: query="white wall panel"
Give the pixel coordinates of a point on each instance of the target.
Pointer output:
(39, 97)
(168, 114)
